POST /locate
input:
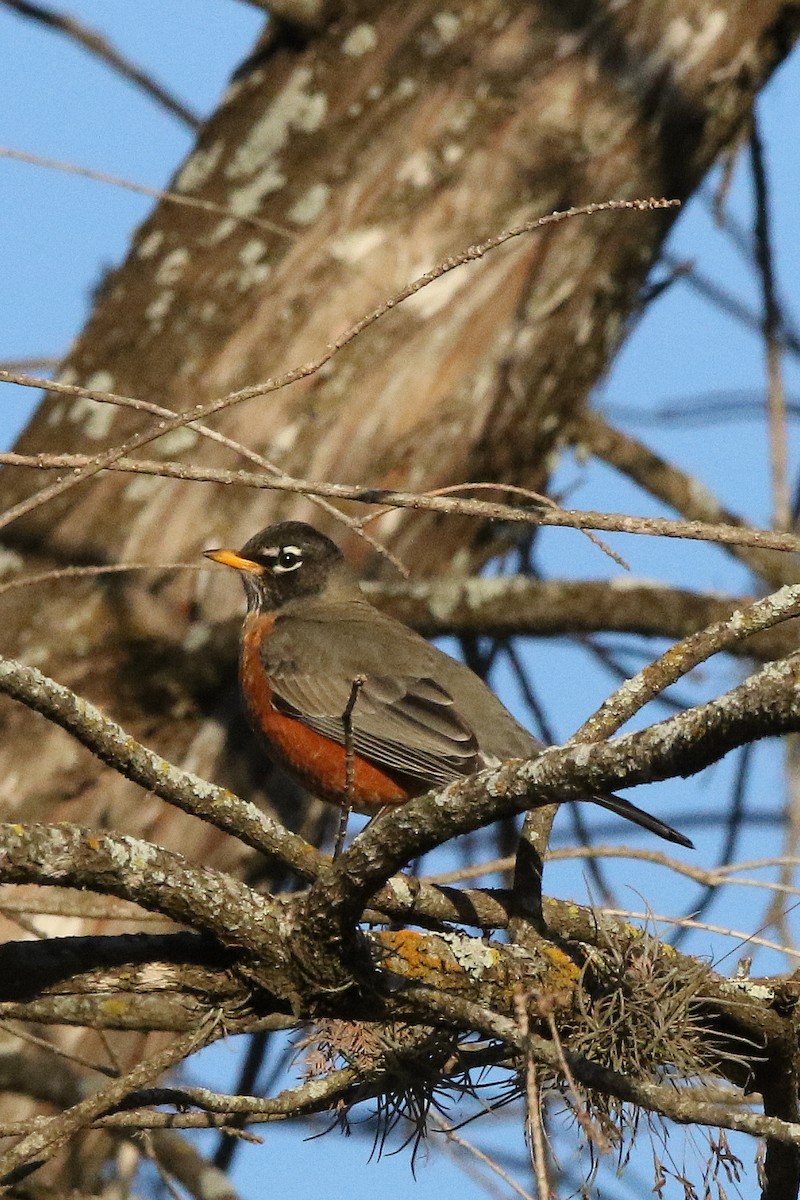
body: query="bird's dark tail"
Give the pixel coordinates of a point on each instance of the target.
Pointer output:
(624, 808)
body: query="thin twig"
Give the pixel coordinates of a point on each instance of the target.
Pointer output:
(158, 410)
(712, 877)
(59, 573)
(592, 1131)
(726, 302)
(349, 772)
(771, 325)
(684, 656)
(492, 1163)
(746, 939)
(77, 1060)
(58, 1130)
(43, 363)
(527, 493)
(141, 189)
(107, 52)
(202, 411)
(680, 490)
(733, 535)
(533, 1095)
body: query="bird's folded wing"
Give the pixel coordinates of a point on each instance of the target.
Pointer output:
(401, 723)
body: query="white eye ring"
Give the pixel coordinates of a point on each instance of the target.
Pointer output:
(294, 556)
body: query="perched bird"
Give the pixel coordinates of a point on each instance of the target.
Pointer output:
(354, 704)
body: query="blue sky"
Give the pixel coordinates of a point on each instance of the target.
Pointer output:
(61, 233)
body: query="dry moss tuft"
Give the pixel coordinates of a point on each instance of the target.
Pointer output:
(640, 1011)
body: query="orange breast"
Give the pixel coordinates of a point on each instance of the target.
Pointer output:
(318, 762)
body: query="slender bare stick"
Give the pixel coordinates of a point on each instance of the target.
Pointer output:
(450, 1132)
(217, 210)
(98, 45)
(56, 1132)
(158, 410)
(350, 765)
(684, 656)
(776, 391)
(562, 518)
(533, 1096)
(201, 411)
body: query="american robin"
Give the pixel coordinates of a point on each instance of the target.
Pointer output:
(357, 706)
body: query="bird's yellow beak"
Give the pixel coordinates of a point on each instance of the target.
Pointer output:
(229, 558)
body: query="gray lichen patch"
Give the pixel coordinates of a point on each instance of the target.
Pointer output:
(10, 561)
(310, 205)
(172, 266)
(247, 199)
(96, 418)
(447, 25)
(472, 954)
(198, 167)
(254, 270)
(418, 169)
(297, 107)
(356, 245)
(150, 244)
(157, 309)
(360, 40)
(252, 251)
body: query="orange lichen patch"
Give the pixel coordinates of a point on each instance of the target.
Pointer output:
(436, 960)
(321, 764)
(563, 974)
(115, 1006)
(476, 967)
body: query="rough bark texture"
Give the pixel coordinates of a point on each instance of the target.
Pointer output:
(382, 143)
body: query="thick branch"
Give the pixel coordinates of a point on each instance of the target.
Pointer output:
(764, 705)
(159, 880)
(512, 605)
(186, 791)
(676, 1103)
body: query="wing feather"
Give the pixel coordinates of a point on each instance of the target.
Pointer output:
(400, 723)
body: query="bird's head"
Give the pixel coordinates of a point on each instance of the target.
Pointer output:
(288, 561)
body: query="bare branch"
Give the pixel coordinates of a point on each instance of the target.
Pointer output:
(141, 189)
(682, 492)
(762, 706)
(132, 869)
(89, 39)
(184, 790)
(676, 1103)
(725, 534)
(771, 326)
(201, 411)
(48, 1139)
(685, 656)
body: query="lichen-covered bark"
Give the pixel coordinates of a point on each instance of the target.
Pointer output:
(381, 143)
(261, 959)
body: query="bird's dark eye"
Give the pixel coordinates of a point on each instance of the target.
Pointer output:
(289, 559)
